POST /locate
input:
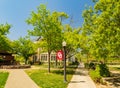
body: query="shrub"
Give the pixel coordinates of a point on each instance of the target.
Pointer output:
(73, 63)
(104, 71)
(92, 66)
(86, 65)
(100, 71)
(95, 75)
(30, 62)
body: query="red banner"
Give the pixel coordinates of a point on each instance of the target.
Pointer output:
(59, 55)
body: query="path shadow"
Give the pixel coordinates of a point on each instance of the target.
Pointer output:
(77, 81)
(81, 72)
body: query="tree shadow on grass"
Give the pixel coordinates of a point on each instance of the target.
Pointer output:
(114, 80)
(62, 71)
(118, 68)
(79, 71)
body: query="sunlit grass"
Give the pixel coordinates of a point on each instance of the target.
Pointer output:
(55, 79)
(3, 78)
(114, 68)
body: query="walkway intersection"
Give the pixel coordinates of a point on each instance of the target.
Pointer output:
(19, 79)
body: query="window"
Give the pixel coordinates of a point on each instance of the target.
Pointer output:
(34, 58)
(53, 57)
(43, 57)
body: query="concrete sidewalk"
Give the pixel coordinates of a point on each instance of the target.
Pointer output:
(19, 79)
(81, 79)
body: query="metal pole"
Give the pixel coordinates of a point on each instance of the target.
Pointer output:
(64, 65)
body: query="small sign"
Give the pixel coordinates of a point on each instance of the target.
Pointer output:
(59, 55)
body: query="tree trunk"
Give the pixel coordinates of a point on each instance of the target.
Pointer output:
(87, 58)
(49, 62)
(56, 62)
(104, 60)
(26, 60)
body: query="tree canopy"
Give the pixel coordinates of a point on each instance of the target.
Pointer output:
(49, 26)
(5, 44)
(101, 25)
(72, 38)
(24, 47)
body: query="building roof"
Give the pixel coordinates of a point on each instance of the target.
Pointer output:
(5, 53)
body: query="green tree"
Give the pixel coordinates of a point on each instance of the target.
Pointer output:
(4, 41)
(72, 38)
(24, 47)
(87, 31)
(108, 26)
(47, 25)
(101, 25)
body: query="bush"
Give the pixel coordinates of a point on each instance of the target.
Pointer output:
(90, 65)
(95, 75)
(104, 71)
(100, 71)
(30, 62)
(86, 65)
(73, 63)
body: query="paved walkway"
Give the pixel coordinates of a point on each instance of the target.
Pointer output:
(81, 79)
(19, 79)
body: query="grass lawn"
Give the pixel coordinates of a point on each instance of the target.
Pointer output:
(50, 80)
(3, 78)
(114, 68)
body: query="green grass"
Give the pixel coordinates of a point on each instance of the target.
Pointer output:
(3, 78)
(50, 80)
(114, 68)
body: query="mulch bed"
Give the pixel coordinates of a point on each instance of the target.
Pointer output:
(15, 66)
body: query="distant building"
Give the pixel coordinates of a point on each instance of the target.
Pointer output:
(43, 57)
(6, 58)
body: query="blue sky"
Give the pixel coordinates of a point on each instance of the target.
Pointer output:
(15, 12)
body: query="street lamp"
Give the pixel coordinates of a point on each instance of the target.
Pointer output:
(64, 45)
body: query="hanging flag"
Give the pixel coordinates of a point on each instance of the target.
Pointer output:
(59, 55)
